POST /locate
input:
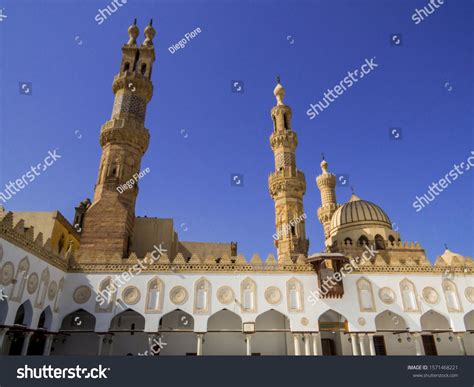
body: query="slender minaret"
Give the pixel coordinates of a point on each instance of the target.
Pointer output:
(287, 184)
(108, 222)
(326, 183)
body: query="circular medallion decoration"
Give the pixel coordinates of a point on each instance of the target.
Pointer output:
(273, 295)
(178, 295)
(82, 294)
(6, 274)
(131, 295)
(387, 296)
(304, 321)
(361, 321)
(225, 295)
(469, 293)
(32, 284)
(52, 290)
(430, 295)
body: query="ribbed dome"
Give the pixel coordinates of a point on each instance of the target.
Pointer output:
(357, 211)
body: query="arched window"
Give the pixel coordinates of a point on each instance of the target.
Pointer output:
(391, 239)
(154, 298)
(202, 296)
(42, 289)
(366, 296)
(363, 240)
(143, 69)
(379, 242)
(248, 296)
(409, 296)
(348, 242)
(451, 296)
(106, 296)
(126, 67)
(294, 295)
(20, 280)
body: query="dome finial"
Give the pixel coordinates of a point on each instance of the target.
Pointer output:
(133, 34)
(446, 246)
(279, 92)
(324, 164)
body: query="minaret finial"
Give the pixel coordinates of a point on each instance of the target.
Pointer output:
(133, 34)
(149, 35)
(279, 92)
(151, 22)
(352, 190)
(278, 79)
(446, 246)
(322, 156)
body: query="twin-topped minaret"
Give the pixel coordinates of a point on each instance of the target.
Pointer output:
(287, 184)
(107, 224)
(326, 183)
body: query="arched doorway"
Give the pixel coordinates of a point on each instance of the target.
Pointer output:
(77, 335)
(177, 335)
(38, 338)
(18, 332)
(392, 337)
(333, 327)
(128, 334)
(437, 335)
(272, 334)
(224, 334)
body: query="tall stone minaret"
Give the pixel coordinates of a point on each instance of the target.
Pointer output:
(108, 222)
(326, 183)
(287, 184)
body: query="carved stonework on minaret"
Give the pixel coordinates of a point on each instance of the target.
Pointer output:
(287, 185)
(326, 183)
(108, 222)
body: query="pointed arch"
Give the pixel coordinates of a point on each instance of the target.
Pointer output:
(24, 314)
(79, 320)
(20, 280)
(366, 295)
(451, 296)
(248, 296)
(409, 296)
(434, 321)
(333, 321)
(202, 296)
(272, 320)
(176, 320)
(155, 295)
(224, 320)
(3, 310)
(390, 321)
(294, 295)
(129, 321)
(469, 321)
(45, 319)
(42, 288)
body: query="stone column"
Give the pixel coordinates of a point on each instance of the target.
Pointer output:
(100, 337)
(371, 344)
(296, 341)
(316, 341)
(249, 347)
(462, 347)
(3, 333)
(362, 336)
(199, 337)
(418, 344)
(47, 344)
(307, 344)
(26, 343)
(355, 347)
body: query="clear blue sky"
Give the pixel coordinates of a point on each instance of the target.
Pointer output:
(228, 132)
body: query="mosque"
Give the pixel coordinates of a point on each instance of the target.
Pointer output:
(111, 283)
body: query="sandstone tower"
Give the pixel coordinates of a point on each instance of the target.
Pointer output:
(287, 184)
(107, 224)
(326, 183)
